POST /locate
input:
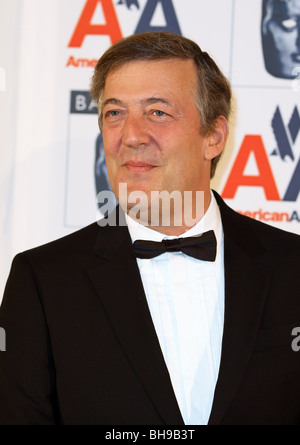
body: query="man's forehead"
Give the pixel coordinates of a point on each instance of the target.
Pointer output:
(139, 73)
(151, 62)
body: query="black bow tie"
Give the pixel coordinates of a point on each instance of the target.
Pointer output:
(202, 247)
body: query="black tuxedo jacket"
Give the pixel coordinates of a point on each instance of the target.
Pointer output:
(81, 347)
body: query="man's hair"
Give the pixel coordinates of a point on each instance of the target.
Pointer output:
(214, 90)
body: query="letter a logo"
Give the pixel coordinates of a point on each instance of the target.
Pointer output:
(172, 24)
(85, 26)
(252, 145)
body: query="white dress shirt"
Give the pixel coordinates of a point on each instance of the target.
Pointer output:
(186, 302)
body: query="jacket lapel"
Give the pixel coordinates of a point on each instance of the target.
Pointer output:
(246, 285)
(124, 302)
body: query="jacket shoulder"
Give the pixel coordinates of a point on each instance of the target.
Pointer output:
(269, 232)
(252, 233)
(63, 247)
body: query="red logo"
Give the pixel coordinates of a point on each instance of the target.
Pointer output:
(252, 144)
(85, 26)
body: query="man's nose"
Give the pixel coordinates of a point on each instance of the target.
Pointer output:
(135, 133)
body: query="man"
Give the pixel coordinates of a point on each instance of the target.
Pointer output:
(154, 322)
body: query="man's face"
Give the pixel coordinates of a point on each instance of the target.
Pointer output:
(281, 37)
(151, 128)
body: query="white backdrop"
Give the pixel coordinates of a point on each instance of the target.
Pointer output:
(48, 142)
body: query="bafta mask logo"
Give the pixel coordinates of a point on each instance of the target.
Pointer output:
(281, 37)
(101, 177)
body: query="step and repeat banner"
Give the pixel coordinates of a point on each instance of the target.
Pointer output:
(51, 158)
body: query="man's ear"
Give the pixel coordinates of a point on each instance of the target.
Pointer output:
(217, 138)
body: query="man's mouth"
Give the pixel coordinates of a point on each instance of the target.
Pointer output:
(138, 166)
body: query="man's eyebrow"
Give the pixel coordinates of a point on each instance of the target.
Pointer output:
(161, 100)
(149, 101)
(112, 101)
(156, 100)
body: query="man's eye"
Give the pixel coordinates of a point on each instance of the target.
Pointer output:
(112, 113)
(159, 113)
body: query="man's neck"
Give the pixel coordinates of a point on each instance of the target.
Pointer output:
(190, 217)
